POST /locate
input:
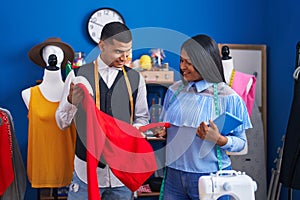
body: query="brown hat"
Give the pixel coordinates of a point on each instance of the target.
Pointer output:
(35, 53)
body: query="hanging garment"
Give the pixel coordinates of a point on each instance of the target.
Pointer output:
(6, 165)
(50, 161)
(239, 84)
(290, 167)
(17, 188)
(128, 154)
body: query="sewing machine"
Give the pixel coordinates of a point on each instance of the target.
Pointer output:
(227, 182)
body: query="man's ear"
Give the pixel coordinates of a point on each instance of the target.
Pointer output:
(101, 45)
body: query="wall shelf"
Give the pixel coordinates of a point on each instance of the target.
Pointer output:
(148, 194)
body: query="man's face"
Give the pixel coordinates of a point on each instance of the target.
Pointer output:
(115, 53)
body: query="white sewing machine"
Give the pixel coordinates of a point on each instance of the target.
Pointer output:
(227, 182)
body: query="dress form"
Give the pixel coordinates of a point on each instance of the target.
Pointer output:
(52, 85)
(228, 67)
(44, 158)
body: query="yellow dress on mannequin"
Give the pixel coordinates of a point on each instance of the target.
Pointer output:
(50, 149)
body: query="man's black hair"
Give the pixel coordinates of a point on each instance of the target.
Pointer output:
(117, 31)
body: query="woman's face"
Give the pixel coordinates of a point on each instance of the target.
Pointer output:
(189, 72)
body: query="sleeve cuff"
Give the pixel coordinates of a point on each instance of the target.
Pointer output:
(228, 145)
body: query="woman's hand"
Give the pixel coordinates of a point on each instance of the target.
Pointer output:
(211, 133)
(159, 131)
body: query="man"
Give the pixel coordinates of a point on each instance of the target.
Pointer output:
(119, 91)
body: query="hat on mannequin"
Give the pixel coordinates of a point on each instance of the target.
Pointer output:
(35, 53)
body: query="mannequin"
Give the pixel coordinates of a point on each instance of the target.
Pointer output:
(252, 158)
(228, 67)
(243, 90)
(49, 148)
(243, 84)
(227, 62)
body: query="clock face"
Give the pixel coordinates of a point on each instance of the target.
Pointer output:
(99, 18)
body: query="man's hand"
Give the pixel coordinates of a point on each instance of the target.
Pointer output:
(75, 94)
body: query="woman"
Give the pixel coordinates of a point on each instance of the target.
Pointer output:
(195, 148)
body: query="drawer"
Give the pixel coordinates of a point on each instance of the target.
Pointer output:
(158, 76)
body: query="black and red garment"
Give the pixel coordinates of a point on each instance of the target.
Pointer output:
(12, 169)
(6, 165)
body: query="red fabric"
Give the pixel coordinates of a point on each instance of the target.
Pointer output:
(6, 166)
(128, 154)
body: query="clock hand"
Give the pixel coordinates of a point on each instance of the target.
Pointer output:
(96, 23)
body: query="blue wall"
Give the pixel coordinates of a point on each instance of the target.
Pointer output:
(27, 23)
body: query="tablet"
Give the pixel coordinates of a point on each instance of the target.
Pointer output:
(227, 122)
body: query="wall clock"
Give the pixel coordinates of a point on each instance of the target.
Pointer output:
(99, 18)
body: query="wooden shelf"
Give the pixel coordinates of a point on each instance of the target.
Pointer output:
(148, 194)
(51, 198)
(158, 77)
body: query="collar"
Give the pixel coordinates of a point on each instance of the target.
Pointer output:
(199, 85)
(103, 66)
